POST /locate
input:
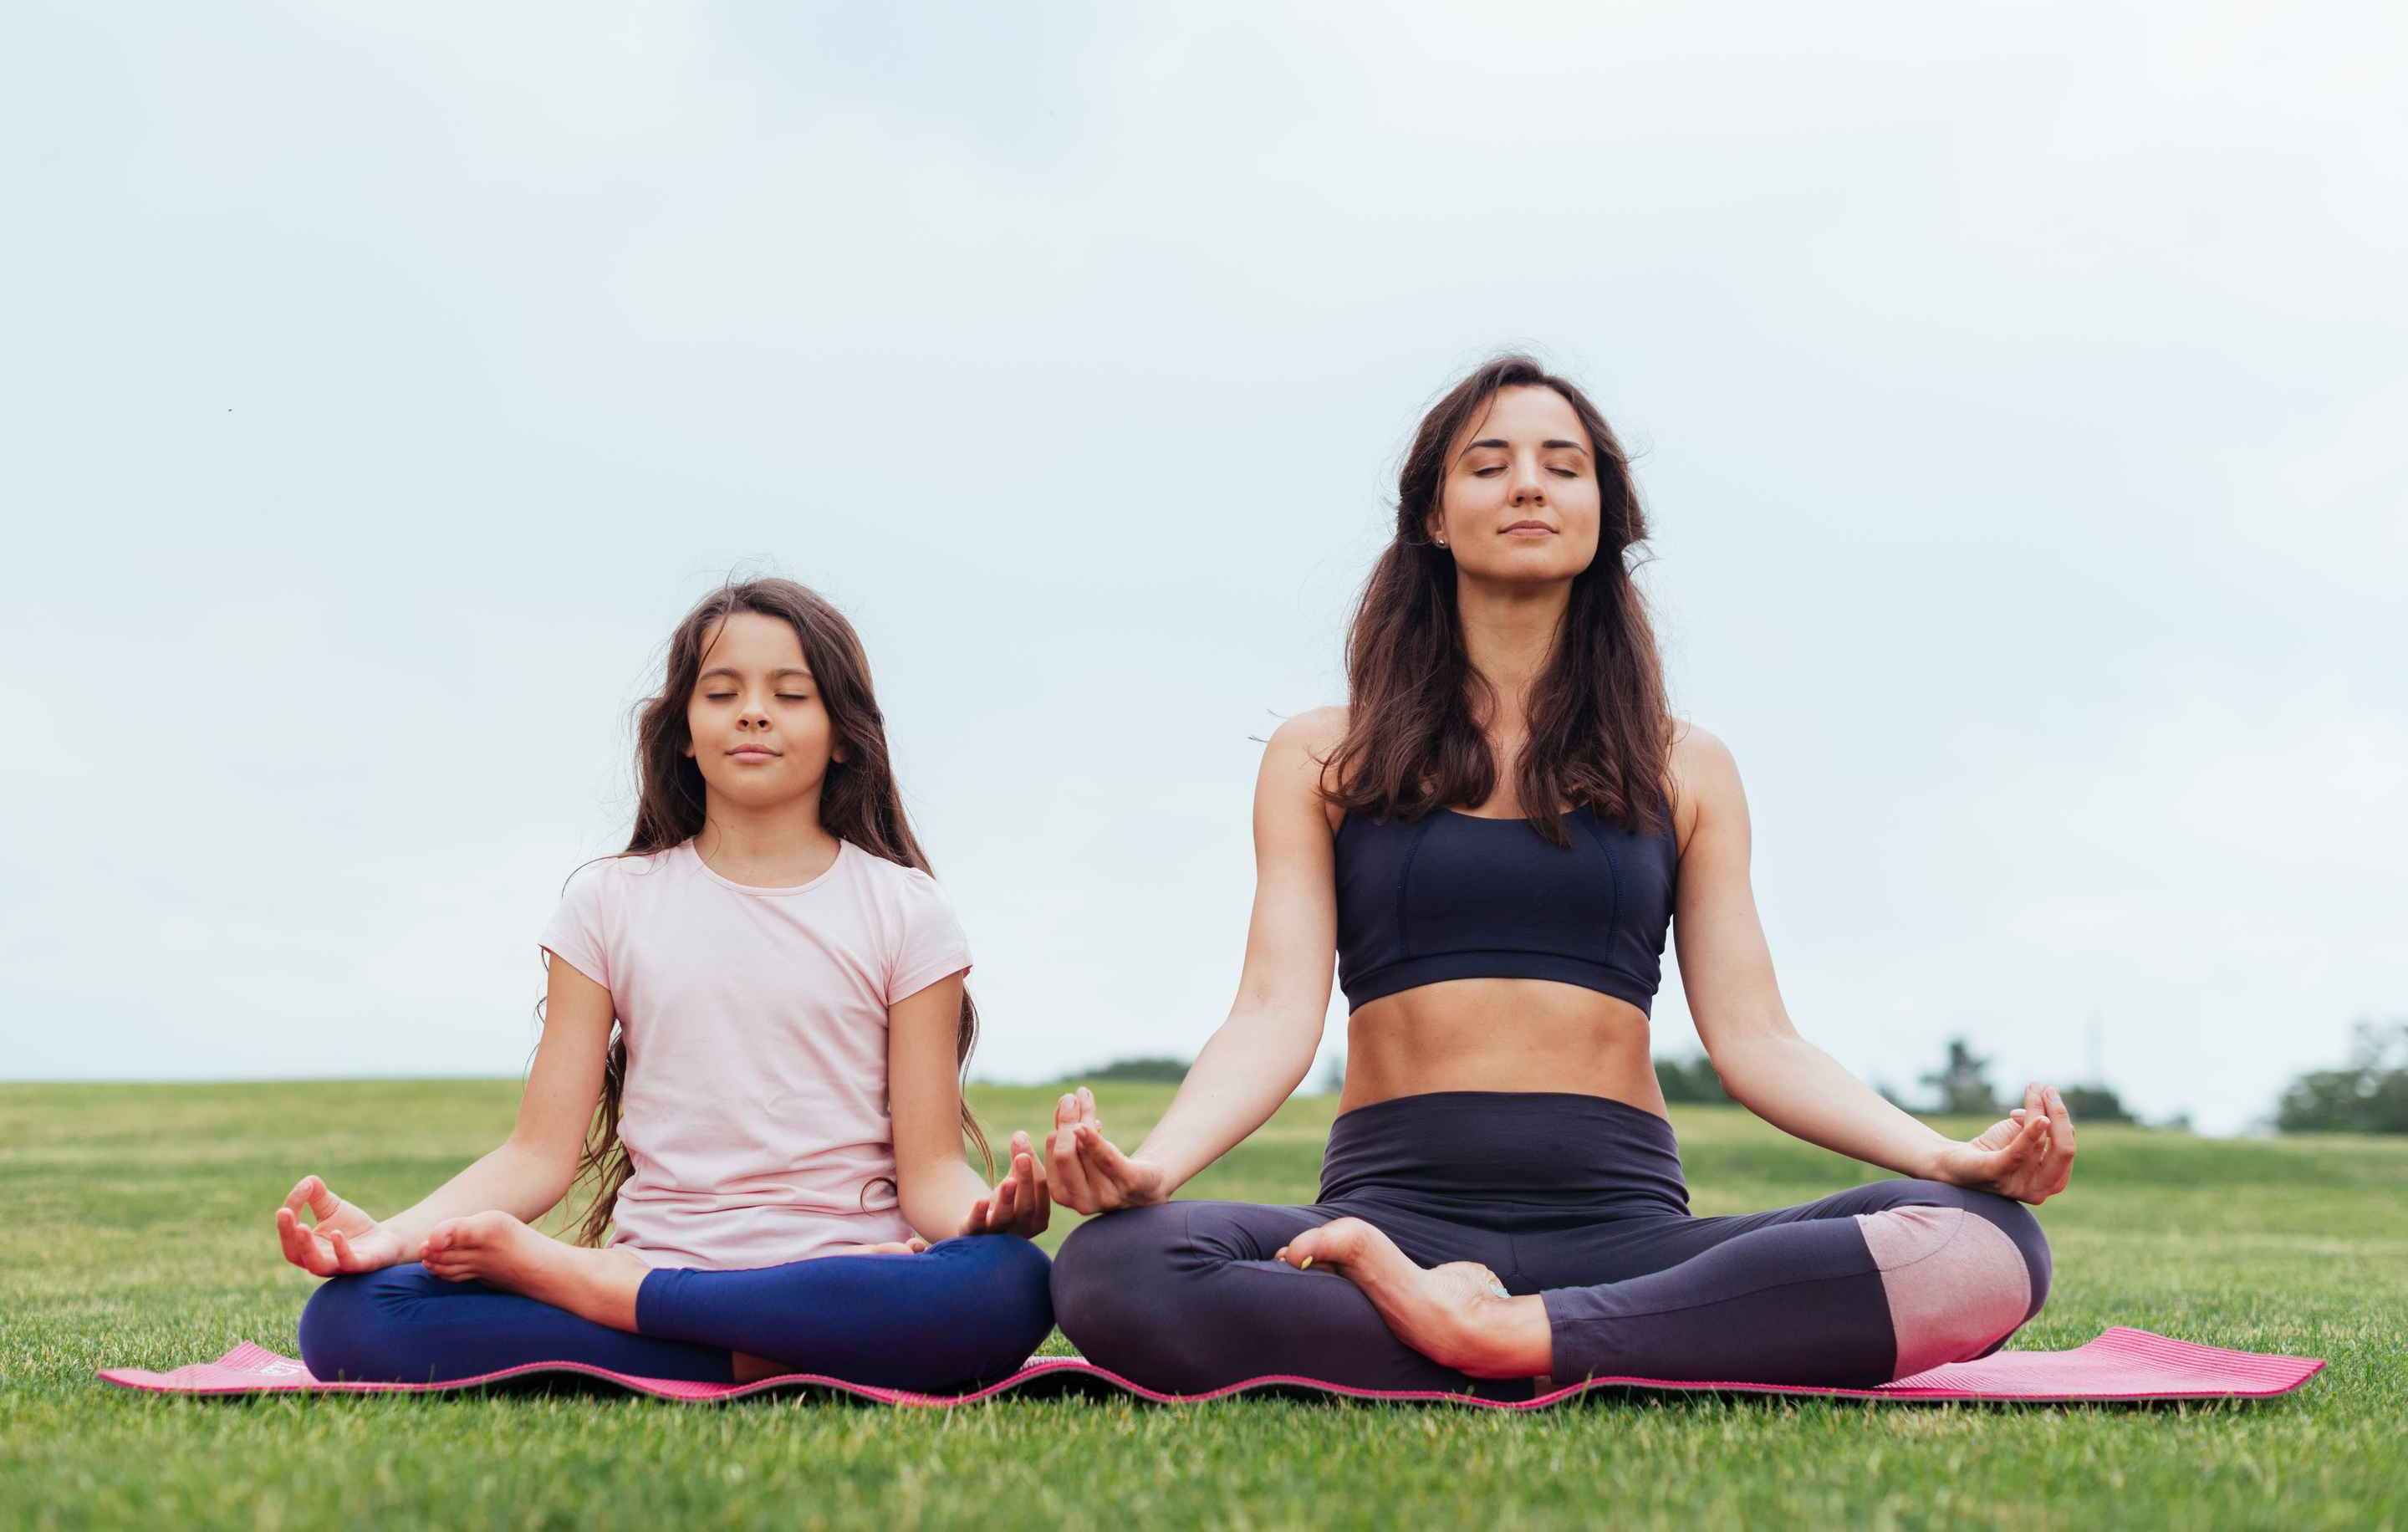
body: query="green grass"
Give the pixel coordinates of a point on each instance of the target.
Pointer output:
(135, 1231)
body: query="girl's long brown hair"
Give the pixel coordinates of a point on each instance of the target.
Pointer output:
(859, 802)
(1599, 724)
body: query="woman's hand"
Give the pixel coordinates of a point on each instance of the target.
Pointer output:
(345, 1238)
(2027, 1155)
(1019, 1203)
(1089, 1174)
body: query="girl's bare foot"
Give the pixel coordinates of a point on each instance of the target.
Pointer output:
(495, 1248)
(1457, 1315)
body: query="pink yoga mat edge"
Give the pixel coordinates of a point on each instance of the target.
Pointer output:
(2179, 1369)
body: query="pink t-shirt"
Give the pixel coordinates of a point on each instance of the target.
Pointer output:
(755, 1106)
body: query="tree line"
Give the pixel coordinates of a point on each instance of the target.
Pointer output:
(2367, 1095)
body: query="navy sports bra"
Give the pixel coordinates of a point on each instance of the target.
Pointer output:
(1452, 895)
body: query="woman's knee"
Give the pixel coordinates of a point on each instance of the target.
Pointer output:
(2011, 1219)
(1109, 1276)
(1961, 1270)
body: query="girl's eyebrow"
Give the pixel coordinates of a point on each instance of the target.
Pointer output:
(1544, 446)
(732, 673)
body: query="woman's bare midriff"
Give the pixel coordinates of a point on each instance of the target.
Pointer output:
(1500, 1035)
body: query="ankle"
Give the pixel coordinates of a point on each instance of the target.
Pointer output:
(1507, 1338)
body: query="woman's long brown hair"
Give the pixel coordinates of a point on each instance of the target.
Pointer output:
(1599, 724)
(859, 802)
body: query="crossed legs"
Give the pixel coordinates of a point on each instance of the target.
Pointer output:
(1872, 1283)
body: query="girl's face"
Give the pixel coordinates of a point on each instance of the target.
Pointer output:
(759, 731)
(1520, 498)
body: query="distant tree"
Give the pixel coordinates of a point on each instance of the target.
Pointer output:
(2371, 1095)
(1163, 1071)
(1333, 1075)
(1962, 1085)
(1690, 1079)
(2095, 1104)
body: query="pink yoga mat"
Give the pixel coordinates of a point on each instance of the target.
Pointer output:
(2121, 1364)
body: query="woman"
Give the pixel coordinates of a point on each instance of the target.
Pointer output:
(1493, 839)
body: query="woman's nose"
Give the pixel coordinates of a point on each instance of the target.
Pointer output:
(1528, 483)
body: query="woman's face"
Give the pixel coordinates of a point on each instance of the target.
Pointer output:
(759, 731)
(1519, 501)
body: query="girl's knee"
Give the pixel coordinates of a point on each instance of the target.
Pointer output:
(1023, 1291)
(348, 1328)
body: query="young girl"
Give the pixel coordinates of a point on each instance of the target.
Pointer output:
(780, 1138)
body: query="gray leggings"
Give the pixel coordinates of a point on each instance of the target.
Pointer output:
(1577, 1198)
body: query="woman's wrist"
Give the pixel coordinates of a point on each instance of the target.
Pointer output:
(1929, 1160)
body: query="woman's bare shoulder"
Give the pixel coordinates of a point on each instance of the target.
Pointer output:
(1301, 749)
(1704, 775)
(1319, 729)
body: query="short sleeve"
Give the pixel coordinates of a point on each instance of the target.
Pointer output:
(932, 944)
(575, 932)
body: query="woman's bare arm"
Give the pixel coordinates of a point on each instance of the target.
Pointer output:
(1264, 1049)
(524, 1177)
(1767, 1067)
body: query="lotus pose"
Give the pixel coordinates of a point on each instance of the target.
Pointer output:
(764, 995)
(1493, 839)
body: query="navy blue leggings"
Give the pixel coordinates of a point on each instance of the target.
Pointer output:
(1577, 1198)
(965, 1311)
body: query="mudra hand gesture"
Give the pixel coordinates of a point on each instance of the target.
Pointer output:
(2026, 1154)
(1019, 1204)
(1090, 1173)
(345, 1238)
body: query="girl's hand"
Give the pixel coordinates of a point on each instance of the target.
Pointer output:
(1089, 1174)
(1019, 1203)
(345, 1238)
(2027, 1155)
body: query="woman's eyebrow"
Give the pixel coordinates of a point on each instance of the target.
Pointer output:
(1544, 446)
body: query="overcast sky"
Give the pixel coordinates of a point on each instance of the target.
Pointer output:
(2018, 394)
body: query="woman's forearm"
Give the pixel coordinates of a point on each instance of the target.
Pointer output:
(1801, 1090)
(1251, 1064)
(512, 1180)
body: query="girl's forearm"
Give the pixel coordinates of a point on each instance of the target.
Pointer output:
(1803, 1091)
(1251, 1064)
(510, 1180)
(937, 1201)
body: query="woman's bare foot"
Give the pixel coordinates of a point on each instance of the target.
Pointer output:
(1457, 1315)
(495, 1248)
